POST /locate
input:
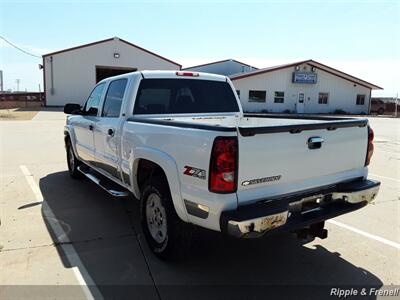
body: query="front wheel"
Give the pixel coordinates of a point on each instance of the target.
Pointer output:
(72, 162)
(165, 233)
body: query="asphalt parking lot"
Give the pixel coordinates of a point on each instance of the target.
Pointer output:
(62, 238)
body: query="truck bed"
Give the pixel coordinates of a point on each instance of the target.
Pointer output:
(275, 157)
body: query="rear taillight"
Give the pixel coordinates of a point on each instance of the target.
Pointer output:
(224, 165)
(370, 147)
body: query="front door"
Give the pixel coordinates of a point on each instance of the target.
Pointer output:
(84, 125)
(107, 138)
(300, 103)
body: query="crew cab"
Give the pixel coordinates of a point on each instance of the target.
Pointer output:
(180, 143)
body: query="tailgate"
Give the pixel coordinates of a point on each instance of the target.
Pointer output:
(277, 160)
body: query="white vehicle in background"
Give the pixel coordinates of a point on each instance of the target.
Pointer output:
(180, 143)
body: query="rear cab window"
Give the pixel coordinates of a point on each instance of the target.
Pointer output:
(179, 96)
(114, 97)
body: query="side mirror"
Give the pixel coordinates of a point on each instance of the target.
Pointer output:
(92, 111)
(72, 109)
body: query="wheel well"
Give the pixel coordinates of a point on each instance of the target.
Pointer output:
(146, 170)
(66, 138)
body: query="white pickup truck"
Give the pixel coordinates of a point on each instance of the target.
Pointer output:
(180, 142)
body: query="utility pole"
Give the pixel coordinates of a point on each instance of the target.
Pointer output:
(1, 81)
(17, 81)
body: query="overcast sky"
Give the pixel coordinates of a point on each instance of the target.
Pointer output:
(357, 37)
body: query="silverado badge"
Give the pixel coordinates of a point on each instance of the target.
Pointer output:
(261, 180)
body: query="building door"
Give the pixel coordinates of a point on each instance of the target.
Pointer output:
(300, 103)
(105, 72)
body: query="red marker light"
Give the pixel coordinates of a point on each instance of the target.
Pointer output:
(190, 74)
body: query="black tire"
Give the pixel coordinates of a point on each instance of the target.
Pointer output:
(72, 161)
(172, 244)
(381, 111)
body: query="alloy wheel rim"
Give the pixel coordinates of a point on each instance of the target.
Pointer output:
(156, 218)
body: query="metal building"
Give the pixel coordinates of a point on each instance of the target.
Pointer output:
(70, 74)
(303, 87)
(225, 67)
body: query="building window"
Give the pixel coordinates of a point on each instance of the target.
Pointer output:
(238, 93)
(279, 97)
(257, 96)
(323, 98)
(360, 99)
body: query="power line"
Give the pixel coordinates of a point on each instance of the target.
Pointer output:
(18, 48)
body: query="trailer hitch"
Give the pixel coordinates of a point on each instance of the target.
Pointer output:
(313, 231)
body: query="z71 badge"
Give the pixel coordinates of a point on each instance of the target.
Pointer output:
(194, 172)
(261, 180)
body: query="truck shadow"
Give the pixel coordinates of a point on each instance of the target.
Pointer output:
(112, 253)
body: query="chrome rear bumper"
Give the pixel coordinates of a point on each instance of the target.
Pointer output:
(297, 211)
(357, 196)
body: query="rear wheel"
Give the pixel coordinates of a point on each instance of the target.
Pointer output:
(72, 162)
(165, 233)
(381, 111)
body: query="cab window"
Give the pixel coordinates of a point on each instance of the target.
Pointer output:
(114, 96)
(92, 104)
(183, 96)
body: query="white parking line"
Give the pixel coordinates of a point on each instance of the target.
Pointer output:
(79, 269)
(384, 177)
(366, 234)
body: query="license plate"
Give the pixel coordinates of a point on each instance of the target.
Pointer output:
(273, 221)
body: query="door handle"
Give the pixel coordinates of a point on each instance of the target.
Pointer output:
(315, 142)
(91, 127)
(110, 132)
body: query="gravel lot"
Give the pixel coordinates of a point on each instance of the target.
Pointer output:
(62, 238)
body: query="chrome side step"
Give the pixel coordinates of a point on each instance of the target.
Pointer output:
(107, 185)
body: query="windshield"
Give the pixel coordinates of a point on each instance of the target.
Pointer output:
(178, 96)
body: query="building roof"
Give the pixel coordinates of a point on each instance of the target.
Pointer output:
(313, 63)
(220, 61)
(108, 40)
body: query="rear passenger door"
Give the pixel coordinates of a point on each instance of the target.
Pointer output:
(107, 134)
